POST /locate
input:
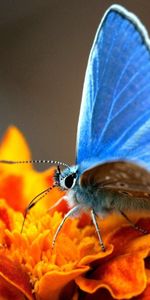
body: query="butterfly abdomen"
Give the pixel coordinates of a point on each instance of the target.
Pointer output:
(106, 201)
(132, 201)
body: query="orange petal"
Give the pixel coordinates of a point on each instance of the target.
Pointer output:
(124, 276)
(111, 223)
(146, 294)
(14, 147)
(4, 215)
(22, 179)
(126, 239)
(8, 291)
(54, 282)
(88, 259)
(84, 220)
(14, 275)
(16, 198)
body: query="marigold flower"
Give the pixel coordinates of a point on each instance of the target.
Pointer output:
(76, 268)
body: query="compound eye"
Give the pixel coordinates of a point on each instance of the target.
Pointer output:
(69, 181)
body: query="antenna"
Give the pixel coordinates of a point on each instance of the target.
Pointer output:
(53, 162)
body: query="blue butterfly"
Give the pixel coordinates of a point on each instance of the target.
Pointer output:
(114, 123)
(113, 137)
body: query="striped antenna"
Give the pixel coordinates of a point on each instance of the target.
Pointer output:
(53, 162)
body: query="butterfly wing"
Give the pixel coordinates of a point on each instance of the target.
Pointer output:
(118, 180)
(114, 121)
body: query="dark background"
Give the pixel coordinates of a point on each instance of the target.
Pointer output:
(44, 47)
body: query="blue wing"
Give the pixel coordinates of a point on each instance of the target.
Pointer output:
(114, 121)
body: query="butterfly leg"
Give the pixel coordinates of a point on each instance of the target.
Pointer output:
(136, 227)
(70, 213)
(93, 215)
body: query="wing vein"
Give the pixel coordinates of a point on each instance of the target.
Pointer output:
(138, 120)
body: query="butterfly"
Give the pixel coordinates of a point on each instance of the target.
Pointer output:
(112, 169)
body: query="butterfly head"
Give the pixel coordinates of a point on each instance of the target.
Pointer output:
(67, 178)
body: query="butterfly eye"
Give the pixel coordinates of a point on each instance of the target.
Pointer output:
(69, 181)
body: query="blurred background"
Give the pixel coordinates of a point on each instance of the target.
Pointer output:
(44, 47)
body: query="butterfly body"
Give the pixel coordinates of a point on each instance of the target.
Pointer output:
(111, 186)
